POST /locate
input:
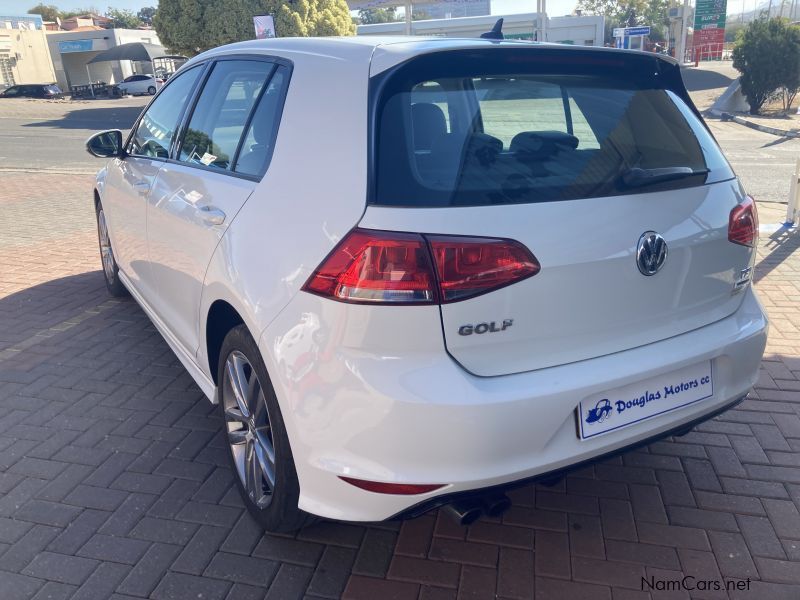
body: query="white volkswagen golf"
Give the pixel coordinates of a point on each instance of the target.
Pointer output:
(416, 272)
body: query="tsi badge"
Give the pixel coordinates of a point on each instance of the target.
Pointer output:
(480, 328)
(651, 252)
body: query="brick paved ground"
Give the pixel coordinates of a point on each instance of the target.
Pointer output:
(113, 480)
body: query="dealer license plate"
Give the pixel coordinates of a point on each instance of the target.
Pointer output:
(614, 409)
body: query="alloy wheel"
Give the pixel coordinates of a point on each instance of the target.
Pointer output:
(248, 429)
(106, 253)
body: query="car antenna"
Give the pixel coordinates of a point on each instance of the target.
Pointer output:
(496, 33)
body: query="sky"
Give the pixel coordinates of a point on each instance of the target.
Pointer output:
(21, 6)
(499, 7)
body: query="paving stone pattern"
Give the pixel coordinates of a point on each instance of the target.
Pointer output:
(113, 477)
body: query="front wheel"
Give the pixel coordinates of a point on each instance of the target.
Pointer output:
(258, 444)
(110, 267)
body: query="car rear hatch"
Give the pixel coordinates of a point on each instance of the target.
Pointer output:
(590, 161)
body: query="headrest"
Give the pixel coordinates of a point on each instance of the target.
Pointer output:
(428, 122)
(541, 144)
(476, 145)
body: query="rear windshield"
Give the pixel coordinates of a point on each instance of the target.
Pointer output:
(503, 129)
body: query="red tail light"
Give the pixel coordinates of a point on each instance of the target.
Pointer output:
(376, 266)
(398, 268)
(468, 267)
(743, 223)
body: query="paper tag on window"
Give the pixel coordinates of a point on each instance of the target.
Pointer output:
(207, 159)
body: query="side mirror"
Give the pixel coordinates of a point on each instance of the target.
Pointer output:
(106, 144)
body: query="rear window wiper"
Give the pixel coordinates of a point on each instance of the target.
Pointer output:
(637, 177)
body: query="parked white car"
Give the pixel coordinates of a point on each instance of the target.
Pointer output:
(140, 84)
(415, 272)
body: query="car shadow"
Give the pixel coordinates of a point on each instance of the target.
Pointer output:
(99, 118)
(782, 243)
(95, 370)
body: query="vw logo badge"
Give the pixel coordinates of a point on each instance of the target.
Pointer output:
(651, 252)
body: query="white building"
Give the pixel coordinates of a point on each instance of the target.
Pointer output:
(23, 51)
(72, 50)
(581, 31)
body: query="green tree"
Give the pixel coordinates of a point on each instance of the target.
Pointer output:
(146, 14)
(767, 55)
(192, 26)
(370, 16)
(123, 18)
(89, 10)
(732, 31)
(790, 68)
(48, 12)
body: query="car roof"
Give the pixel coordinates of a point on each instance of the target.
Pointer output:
(385, 51)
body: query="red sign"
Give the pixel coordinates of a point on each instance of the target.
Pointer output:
(708, 43)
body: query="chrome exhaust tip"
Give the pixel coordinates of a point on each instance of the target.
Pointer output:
(465, 512)
(496, 505)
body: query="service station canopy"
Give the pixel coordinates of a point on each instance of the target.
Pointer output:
(361, 4)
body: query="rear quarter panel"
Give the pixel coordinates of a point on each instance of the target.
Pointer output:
(313, 193)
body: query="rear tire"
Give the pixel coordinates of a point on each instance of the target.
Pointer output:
(110, 268)
(151, 90)
(258, 446)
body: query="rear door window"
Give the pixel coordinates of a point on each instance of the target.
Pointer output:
(487, 129)
(259, 142)
(222, 112)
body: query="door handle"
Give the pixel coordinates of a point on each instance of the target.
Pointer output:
(212, 215)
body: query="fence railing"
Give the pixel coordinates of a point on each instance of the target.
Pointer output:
(713, 51)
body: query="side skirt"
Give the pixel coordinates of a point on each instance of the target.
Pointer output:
(205, 383)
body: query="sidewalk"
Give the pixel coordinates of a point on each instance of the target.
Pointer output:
(788, 126)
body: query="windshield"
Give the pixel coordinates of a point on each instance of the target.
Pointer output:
(490, 131)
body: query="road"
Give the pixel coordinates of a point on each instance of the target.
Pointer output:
(43, 135)
(763, 162)
(39, 137)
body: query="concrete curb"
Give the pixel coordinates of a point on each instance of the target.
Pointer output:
(725, 116)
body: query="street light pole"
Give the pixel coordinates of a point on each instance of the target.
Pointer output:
(544, 20)
(682, 46)
(538, 31)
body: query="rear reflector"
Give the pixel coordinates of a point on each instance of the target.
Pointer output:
(743, 223)
(409, 268)
(400, 489)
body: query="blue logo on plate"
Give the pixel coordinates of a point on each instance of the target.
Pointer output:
(600, 412)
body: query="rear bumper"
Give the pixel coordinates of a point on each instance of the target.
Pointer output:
(415, 416)
(441, 500)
